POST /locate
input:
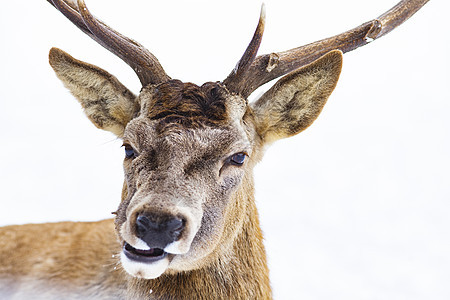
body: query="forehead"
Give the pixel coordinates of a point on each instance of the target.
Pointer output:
(175, 113)
(188, 105)
(144, 134)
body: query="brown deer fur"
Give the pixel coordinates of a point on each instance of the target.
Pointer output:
(183, 137)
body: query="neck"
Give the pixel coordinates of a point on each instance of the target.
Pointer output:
(240, 273)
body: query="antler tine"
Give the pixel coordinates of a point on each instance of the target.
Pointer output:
(146, 65)
(70, 11)
(234, 81)
(270, 66)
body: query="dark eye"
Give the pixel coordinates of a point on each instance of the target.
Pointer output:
(129, 152)
(238, 159)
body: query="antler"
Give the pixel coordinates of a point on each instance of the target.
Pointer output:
(270, 66)
(242, 67)
(145, 64)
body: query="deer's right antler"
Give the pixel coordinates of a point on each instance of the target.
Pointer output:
(145, 64)
(270, 66)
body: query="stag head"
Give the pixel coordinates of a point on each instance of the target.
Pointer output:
(190, 150)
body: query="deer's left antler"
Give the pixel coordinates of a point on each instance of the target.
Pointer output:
(270, 66)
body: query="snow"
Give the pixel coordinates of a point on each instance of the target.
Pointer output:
(355, 207)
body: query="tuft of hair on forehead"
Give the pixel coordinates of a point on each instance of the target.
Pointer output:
(188, 105)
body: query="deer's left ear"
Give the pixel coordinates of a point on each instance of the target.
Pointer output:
(297, 99)
(106, 102)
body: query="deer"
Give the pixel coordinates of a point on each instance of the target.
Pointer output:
(187, 226)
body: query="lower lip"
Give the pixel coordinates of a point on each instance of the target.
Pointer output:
(132, 254)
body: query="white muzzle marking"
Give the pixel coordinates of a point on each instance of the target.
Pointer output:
(144, 270)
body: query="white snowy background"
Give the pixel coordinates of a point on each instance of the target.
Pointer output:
(355, 207)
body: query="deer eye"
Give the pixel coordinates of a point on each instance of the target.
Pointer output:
(129, 152)
(238, 159)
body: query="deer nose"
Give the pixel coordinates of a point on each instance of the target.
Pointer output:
(158, 231)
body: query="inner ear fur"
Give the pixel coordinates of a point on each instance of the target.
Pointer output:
(297, 99)
(106, 101)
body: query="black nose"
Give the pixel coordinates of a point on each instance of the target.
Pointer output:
(158, 230)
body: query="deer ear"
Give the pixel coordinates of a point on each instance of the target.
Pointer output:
(106, 102)
(297, 99)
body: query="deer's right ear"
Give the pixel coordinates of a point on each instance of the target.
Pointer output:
(106, 102)
(297, 99)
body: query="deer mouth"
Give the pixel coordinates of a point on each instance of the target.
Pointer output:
(144, 256)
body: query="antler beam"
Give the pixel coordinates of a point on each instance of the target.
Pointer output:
(270, 66)
(146, 65)
(235, 78)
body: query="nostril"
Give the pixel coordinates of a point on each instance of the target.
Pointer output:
(175, 227)
(142, 225)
